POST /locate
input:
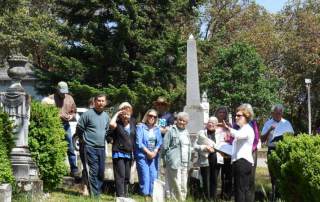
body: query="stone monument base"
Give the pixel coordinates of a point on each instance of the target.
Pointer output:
(33, 186)
(25, 171)
(23, 167)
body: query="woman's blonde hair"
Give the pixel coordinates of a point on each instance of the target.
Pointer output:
(247, 111)
(145, 117)
(224, 109)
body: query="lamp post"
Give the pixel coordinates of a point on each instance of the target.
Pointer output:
(308, 85)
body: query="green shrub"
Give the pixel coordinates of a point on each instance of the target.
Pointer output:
(296, 163)
(6, 144)
(6, 131)
(47, 144)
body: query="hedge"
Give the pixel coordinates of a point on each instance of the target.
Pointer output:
(6, 144)
(296, 163)
(47, 144)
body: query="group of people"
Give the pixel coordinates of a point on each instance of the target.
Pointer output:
(161, 139)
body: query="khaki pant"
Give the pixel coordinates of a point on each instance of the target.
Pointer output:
(177, 180)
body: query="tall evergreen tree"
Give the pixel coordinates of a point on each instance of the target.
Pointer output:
(28, 27)
(133, 50)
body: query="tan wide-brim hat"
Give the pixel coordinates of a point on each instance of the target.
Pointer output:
(161, 101)
(124, 105)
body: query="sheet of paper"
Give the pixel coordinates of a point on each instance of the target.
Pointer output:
(224, 148)
(202, 140)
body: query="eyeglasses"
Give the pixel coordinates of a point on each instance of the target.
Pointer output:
(152, 116)
(239, 115)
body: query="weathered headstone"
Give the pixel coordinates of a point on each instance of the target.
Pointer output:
(123, 199)
(5, 193)
(158, 191)
(193, 107)
(16, 102)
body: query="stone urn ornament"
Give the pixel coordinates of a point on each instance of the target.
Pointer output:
(17, 71)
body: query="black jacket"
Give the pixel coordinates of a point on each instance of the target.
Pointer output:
(121, 141)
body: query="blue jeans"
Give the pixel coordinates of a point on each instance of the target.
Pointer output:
(72, 157)
(95, 158)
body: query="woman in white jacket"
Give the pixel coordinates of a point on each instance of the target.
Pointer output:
(242, 159)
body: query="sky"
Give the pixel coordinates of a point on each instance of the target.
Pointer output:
(272, 6)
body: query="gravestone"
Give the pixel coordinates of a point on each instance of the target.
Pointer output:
(123, 199)
(158, 191)
(16, 102)
(193, 106)
(5, 193)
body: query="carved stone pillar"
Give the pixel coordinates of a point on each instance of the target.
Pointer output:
(16, 102)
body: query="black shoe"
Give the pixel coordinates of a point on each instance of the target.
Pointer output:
(76, 176)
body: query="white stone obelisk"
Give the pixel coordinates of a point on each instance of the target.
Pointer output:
(193, 107)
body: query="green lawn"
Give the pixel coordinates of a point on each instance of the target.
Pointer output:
(263, 183)
(65, 196)
(263, 186)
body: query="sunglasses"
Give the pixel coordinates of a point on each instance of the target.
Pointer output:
(152, 116)
(239, 115)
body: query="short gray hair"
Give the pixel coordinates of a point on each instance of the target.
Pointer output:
(277, 107)
(213, 120)
(183, 115)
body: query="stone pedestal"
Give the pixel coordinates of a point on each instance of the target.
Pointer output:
(5, 193)
(35, 186)
(22, 164)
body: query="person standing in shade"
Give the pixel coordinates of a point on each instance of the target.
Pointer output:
(272, 132)
(92, 129)
(67, 112)
(148, 143)
(177, 155)
(207, 160)
(165, 118)
(223, 135)
(242, 159)
(122, 136)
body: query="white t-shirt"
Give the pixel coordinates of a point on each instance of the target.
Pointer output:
(283, 126)
(242, 143)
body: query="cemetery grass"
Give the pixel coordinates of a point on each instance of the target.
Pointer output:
(263, 188)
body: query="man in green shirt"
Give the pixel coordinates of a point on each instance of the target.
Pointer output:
(92, 129)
